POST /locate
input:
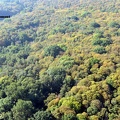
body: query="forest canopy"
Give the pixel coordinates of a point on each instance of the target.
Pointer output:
(60, 60)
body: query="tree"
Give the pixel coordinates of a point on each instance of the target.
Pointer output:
(56, 77)
(82, 116)
(23, 37)
(85, 14)
(93, 61)
(66, 61)
(53, 50)
(96, 103)
(14, 91)
(69, 117)
(106, 41)
(43, 115)
(97, 42)
(5, 104)
(114, 24)
(75, 18)
(95, 25)
(70, 102)
(22, 110)
(100, 50)
(92, 110)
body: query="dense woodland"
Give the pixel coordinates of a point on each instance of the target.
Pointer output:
(60, 60)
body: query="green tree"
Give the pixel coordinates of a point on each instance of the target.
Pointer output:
(69, 117)
(5, 104)
(22, 110)
(114, 24)
(105, 41)
(23, 37)
(53, 50)
(56, 76)
(95, 25)
(71, 102)
(81, 117)
(85, 14)
(43, 115)
(92, 110)
(75, 18)
(66, 61)
(93, 61)
(100, 50)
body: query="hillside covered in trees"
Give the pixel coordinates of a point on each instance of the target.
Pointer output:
(60, 60)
